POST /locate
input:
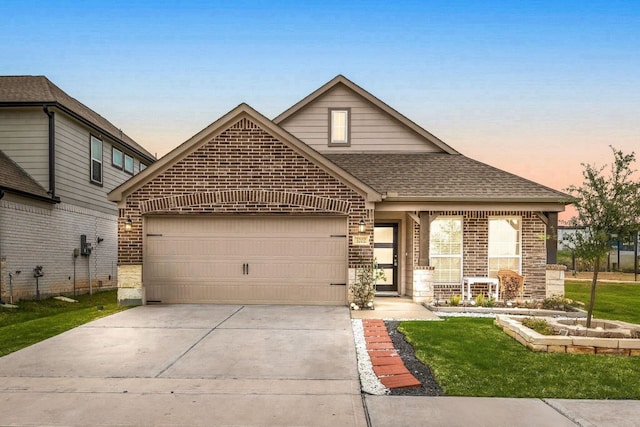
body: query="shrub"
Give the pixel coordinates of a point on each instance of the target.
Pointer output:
(539, 325)
(455, 300)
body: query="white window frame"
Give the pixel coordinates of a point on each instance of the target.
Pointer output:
(117, 154)
(96, 160)
(127, 169)
(490, 240)
(345, 134)
(460, 256)
(142, 167)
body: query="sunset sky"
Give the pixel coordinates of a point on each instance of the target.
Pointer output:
(531, 87)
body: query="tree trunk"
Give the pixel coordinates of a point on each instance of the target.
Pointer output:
(596, 269)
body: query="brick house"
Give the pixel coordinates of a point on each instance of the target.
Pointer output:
(252, 210)
(58, 161)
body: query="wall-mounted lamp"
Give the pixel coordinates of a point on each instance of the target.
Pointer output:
(128, 225)
(362, 226)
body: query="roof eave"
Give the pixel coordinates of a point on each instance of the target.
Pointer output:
(52, 200)
(66, 110)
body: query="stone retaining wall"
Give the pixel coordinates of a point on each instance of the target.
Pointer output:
(566, 344)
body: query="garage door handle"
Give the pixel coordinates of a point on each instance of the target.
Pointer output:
(245, 268)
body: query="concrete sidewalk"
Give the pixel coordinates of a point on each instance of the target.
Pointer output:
(409, 411)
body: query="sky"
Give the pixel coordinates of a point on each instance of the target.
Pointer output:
(532, 87)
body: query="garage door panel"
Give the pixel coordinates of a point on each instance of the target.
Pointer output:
(297, 260)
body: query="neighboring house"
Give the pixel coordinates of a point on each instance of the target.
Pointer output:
(252, 210)
(58, 161)
(620, 257)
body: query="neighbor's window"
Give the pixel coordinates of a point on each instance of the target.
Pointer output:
(339, 126)
(96, 160)
(445, 249)
(116, 158)
(128, 164)
(142, 167)
(505, 249)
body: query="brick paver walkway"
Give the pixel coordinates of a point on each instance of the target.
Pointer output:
(386, 361)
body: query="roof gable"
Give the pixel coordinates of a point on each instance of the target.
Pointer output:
(342, 82)
(38, 90)
(241, 112)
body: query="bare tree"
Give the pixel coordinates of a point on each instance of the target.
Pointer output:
(607, 206)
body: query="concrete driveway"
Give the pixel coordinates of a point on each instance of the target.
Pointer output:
(190, 365)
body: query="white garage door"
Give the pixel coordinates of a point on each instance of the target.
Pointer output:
(246, 260)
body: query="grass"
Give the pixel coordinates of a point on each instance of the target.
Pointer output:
(614, 301)
(35, 321)
(472, 357)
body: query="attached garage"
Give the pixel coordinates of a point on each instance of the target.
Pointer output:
(245, 259)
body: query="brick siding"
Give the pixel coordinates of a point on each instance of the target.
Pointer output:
(42, 234)
(242, 171)
(475, 251)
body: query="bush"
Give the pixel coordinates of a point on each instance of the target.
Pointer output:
(539, 325)
(455, 300)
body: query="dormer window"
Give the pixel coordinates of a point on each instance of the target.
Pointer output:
(339, 126)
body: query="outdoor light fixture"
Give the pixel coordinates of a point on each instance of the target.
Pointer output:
(128, 224)
(361, 226)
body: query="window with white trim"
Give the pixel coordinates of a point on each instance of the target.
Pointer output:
(128, 164)
(339, 126)
(96, 160)
(116, 158)
(142, 166)
(505, 248)
(445, 249)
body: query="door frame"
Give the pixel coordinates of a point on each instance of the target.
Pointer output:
(395, 286)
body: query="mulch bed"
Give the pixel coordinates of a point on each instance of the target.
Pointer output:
(422, 372)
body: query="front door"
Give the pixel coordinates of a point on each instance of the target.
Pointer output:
(385, 251)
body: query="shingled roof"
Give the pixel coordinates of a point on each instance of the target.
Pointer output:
(14, 179)
(442, 177)
(38, 90)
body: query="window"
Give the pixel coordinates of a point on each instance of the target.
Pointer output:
(128, 164)
(445, 249)
(96, 160)
(116, 158)
(339, 131)
(142, 167)
(504, 244)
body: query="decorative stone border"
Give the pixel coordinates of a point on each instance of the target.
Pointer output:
(566, 344)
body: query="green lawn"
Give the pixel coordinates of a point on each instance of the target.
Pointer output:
(614, 301)
(35, 321)
(472, 357)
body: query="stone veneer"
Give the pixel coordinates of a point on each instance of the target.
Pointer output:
(555, 280)
(566, 344)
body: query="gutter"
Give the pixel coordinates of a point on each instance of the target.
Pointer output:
(4, 190)
(52, 151)
(81, 119)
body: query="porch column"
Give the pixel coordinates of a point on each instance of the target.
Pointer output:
(423, 254)
(552, 237)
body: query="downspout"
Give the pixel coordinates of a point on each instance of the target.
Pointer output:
(1, 275)
(52, 151)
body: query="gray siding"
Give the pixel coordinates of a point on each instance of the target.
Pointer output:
(73, 184)
(24, 137)
(371, 128)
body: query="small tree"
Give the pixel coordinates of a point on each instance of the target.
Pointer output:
(606, 206)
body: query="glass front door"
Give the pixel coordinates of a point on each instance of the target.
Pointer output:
(385, 251)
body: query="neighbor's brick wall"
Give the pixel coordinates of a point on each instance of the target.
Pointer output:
(43, 234)
(475, 251)
(244, 157)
